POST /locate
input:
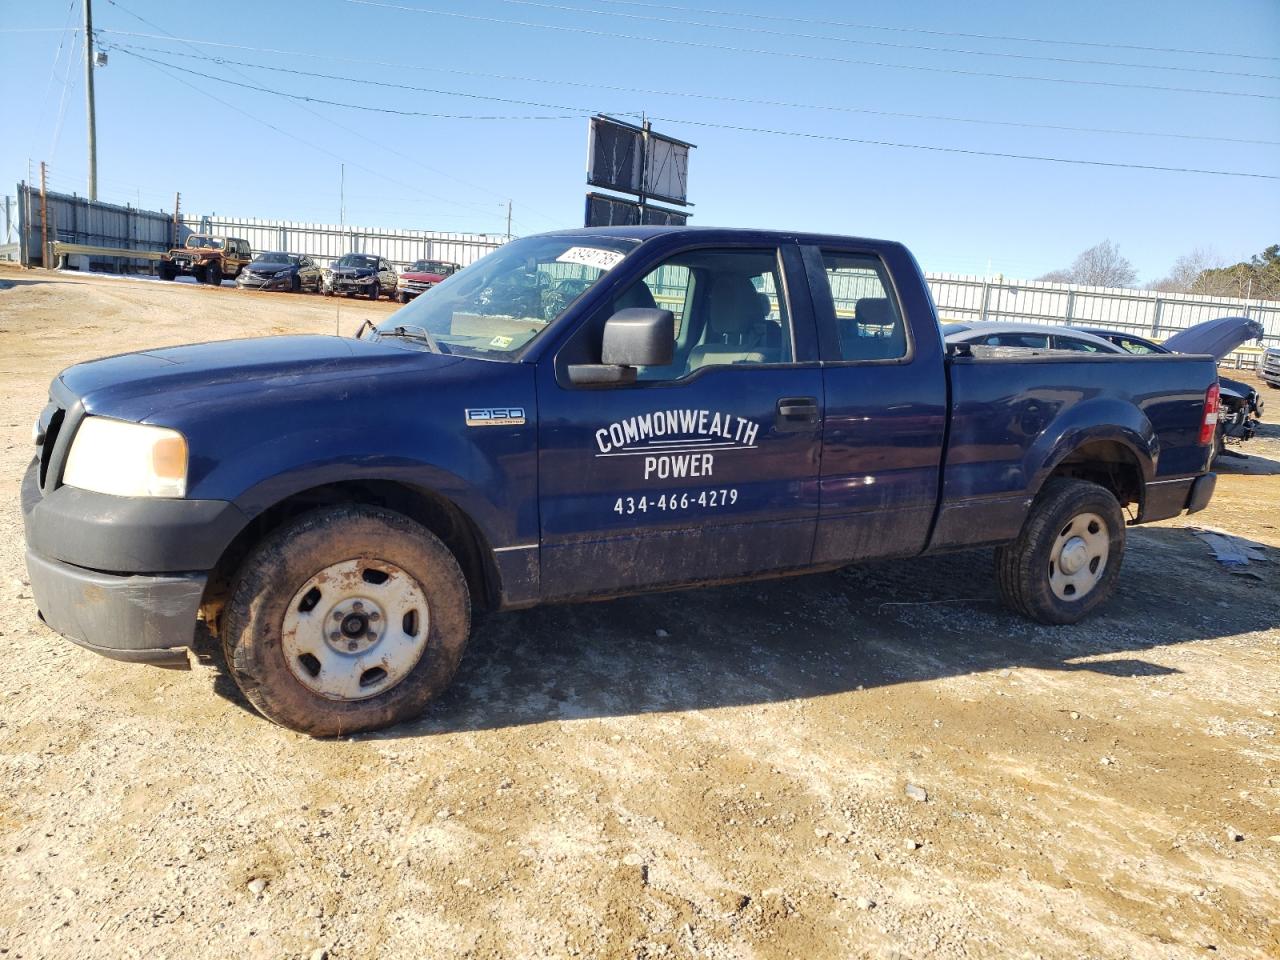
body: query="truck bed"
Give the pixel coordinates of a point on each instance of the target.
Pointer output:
(1015, 414)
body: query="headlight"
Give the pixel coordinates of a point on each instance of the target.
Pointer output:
(280, 273)
(127, 459)
(401, 282)
(365, 279)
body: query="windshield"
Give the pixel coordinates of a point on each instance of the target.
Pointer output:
(284, 259)
(211, 243)
(500, 303)
(358, 260)
(433, 266)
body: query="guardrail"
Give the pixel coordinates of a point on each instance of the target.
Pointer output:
(59, 249)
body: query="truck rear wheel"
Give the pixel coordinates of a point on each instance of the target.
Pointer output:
(1067, 558)
(351, 618)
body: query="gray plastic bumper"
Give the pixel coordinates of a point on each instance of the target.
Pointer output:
(140, 619)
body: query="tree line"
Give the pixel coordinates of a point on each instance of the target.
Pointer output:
(1200, 271)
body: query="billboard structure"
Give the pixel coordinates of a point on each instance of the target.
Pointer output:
(635, 160)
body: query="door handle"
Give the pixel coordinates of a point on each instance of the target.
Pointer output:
(796, 413)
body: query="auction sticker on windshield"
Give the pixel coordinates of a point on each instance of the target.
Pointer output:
(591, 257)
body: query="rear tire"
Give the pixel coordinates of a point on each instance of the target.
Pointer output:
(351, 618)
(1066, 560)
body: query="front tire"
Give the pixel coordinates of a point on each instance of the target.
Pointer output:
(402, 297)
(1066, 560)
(213, 275)
(375, 288)
(351, 618)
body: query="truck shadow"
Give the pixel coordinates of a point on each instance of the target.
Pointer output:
(811, 636)
(1252, 463)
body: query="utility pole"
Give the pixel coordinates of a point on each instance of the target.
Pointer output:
(44, 219)
(88, 96)
(508, 221)
(177, 221)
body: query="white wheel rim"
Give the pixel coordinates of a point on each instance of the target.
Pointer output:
(1079, 557)
(355, 629)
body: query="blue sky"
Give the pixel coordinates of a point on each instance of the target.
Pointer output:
(159, 131)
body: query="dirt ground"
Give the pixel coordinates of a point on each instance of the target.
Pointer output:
(718, 773)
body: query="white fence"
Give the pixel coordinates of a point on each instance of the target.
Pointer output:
(325, 243)
(1143, 312)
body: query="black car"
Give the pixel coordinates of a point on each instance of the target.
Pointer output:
(1240, 405)
(280, 271)
(363, 274)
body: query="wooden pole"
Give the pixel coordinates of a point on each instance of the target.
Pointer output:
(44, 218)
(92, 131)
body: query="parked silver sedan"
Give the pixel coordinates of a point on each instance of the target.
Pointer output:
(1036, 336)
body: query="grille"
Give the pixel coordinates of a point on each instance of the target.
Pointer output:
(50, 439)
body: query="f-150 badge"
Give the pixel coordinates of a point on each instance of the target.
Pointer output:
(495, 416)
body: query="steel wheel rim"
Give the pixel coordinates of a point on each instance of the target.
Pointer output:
(355, 629)
(1079, 556)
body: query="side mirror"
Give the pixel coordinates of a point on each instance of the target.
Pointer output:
(634, 337)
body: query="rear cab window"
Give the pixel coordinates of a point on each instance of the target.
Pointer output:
(859, 317)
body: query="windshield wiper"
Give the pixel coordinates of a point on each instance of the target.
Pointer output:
(415, 333)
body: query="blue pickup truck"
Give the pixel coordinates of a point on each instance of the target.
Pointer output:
(580, 415)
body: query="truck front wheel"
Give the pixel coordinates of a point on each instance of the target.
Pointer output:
(1067, 558)
(351, 618)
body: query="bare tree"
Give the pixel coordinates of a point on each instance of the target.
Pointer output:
(1057, 276)
(1186, 271)
(1100, 266)
(1103, 266)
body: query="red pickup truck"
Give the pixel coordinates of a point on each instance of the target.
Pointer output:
(421, 276)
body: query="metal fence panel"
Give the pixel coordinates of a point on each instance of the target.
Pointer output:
(325, 243)
(75, 219)
(1146, 313)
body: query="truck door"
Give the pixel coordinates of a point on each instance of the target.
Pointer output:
(886, 402)
(702, 470)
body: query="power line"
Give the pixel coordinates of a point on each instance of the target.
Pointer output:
(758, 51)
(940, 33)
(581, 111)
(285, 133)
(330, 120)
(670, 93)
(774, 132)
(975, 153)
(881, 43)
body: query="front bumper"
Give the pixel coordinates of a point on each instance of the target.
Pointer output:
(245, 282)
(123, 576)
(138, 619)
(413, 289)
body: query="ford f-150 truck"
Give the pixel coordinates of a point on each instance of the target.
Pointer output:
(580, 415)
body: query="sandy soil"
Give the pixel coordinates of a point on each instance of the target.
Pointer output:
(718, 773)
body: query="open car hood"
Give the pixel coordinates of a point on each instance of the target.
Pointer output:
(1216, 337)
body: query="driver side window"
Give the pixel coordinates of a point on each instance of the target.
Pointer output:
(730, 309)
